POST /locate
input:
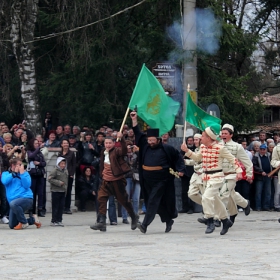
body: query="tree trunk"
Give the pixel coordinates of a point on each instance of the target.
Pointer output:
(23, 19)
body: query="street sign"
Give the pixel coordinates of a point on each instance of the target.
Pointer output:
(165, 73)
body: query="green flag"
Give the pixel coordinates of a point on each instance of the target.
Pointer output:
(153, 105)
(199, 118)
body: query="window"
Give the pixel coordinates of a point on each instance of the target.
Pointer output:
(267, 116)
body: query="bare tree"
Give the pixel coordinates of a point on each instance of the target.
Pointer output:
(23, 19)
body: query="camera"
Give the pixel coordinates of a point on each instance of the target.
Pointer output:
(21, 147)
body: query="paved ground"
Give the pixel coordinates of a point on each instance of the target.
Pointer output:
(250, 250)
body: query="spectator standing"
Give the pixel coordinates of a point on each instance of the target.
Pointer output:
(51, 141)
(132, 179)
(87, 152)
(275, 163)
(58, 179)
(36, 170)
(71, 165)
(261, 163)
(262, 137)
(67, 130)
(47, 124)
(76, 132)
(59, 133)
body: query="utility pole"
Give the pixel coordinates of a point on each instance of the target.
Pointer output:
(189, 73)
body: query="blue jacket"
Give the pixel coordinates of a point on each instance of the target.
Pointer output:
(17, 185)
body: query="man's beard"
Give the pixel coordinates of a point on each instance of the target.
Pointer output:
(154, 146)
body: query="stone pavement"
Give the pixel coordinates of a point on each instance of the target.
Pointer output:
(250, 250)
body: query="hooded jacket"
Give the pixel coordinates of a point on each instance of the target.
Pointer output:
(57, 176)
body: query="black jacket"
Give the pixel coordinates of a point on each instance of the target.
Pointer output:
(91, 185)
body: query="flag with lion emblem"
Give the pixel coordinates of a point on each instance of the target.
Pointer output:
(154, 107)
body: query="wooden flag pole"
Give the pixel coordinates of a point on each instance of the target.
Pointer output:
(123, 122)
(185, 125)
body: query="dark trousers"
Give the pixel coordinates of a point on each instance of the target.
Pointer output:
(84, 196)
(44, 194)
(117, 189)
(3, 201)
(68, 195)
(58, 201)
(37, 187)
(159, 196)
(243, 187)
(187, 203)
(112, 210)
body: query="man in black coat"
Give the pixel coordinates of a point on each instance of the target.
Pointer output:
(187, 203)
(157, 183)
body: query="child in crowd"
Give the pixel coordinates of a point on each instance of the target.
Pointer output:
(58, 180)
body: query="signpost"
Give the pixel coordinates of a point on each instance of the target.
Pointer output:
(165, 73)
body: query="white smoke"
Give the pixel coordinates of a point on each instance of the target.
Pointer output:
(205, 39)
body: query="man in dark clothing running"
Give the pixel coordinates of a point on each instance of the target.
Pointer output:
(113, 167)
(157, 183)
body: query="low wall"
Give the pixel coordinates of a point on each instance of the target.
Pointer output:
(50, 159)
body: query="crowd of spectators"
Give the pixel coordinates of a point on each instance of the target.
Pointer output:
(19, 142)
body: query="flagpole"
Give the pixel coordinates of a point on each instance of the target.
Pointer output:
(185, 125)
(123, 122)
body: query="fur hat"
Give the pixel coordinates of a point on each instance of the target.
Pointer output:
(211, 133)
(197, 135)
(228, 126)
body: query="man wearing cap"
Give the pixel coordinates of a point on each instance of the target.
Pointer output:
(212, 155)
(227, 193)
(157, 183)
(261, 163)
(73, 142)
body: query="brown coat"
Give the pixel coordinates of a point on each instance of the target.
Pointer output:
(118, 165)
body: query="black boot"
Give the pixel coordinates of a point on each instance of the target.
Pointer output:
(142, 227)
(169, 226)
(134, 221)
(202, 220)
(247, 209)
(232, 218)
(100, 223)
(226, 225)
(40, 213)
(210, 226)
(217, 223)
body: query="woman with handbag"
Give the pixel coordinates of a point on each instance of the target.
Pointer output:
(36, 164)
(71, 168)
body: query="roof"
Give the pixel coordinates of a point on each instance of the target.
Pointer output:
(270, 100)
